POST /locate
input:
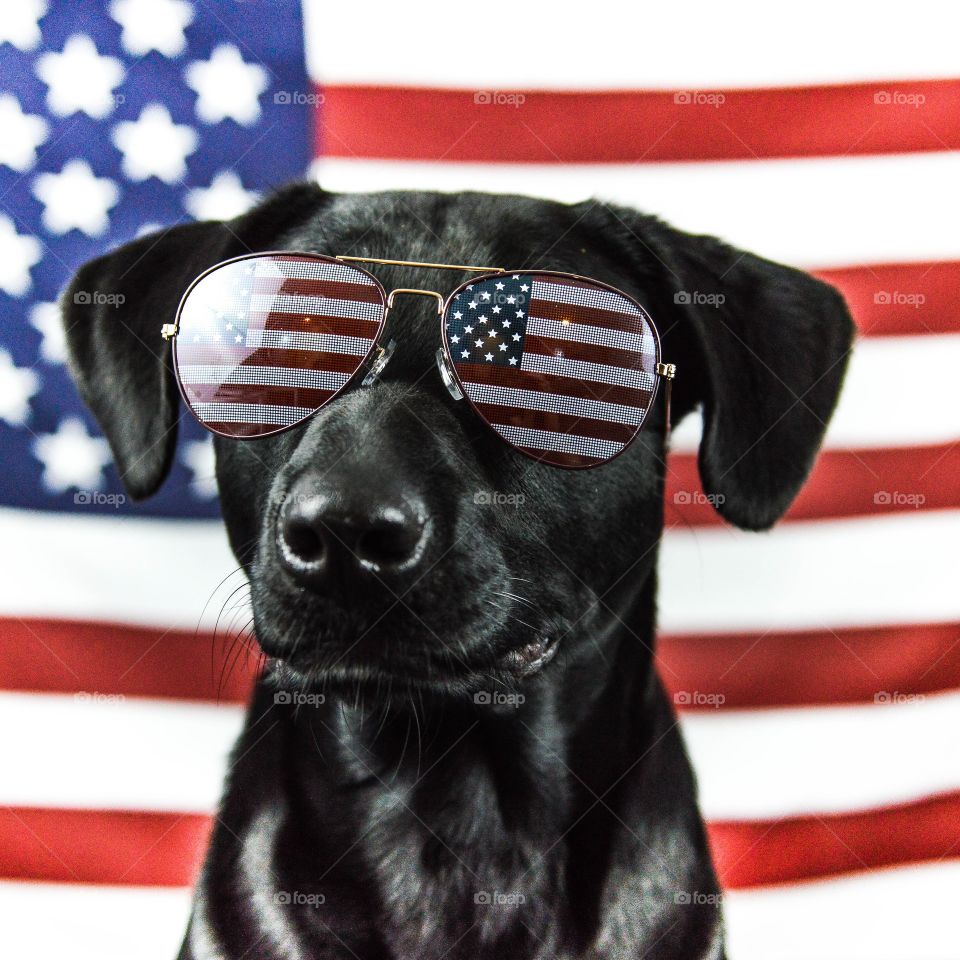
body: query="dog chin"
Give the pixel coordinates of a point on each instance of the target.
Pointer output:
(452, 678)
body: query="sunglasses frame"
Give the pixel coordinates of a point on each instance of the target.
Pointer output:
(664, 371)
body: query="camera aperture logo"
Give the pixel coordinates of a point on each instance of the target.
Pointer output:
(98, 298)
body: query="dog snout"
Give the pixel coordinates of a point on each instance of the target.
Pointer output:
(329, 534)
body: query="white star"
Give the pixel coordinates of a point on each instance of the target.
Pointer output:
(18, 253)
(226, 86)
(154, 146)
(511, 299)
(454, 339)
(513, 361)
(468, 329)
(492, 332)
(472, 304)
(80, 79)
(22, 134)
(506, 323)
(488, 356)
(224, 199)
(516, 276)
(503, 346)
(464, 353)
(496, 309)
(458, 316)
(469, 286)
(75, 199)
(519, 313)
(45, 317)
(499, 286)
(17, 386)
(482, 319)
(71, 457)
(478, 343)
(524, 287)
(516, 336)
(152, 25)
(199, 459)
(19, 23)
(485, 295)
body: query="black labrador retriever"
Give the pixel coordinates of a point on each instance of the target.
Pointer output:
(468, 755)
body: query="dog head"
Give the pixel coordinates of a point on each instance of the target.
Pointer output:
(393, 535)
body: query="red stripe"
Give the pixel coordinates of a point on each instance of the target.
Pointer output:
(277, 396)
(749, 854)
(633, 126)
(588, 316)
(776, 669)
(549, 383)
(117, 847)
(166, 849)
(900, 298)
(580, 426)
(324, 360)
(844, 483)
(750, 670)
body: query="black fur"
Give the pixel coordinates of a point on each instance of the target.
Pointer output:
(454, 757)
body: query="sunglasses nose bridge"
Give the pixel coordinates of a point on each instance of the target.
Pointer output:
(417, 293)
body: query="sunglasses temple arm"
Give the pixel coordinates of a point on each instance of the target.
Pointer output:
(666, 372)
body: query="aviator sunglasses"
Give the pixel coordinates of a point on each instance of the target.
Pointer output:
(561, 367)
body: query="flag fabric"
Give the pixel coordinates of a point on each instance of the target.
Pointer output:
(816, 669)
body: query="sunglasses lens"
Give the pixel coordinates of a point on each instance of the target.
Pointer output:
(265, 341)
(563, 369)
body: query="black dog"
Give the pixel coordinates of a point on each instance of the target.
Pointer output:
(493, 769)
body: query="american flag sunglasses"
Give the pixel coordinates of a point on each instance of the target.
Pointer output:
(563, 368)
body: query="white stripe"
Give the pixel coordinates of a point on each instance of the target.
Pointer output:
(680, 45)
(760, 764)
(554, 403)
(584, 333)
(93, 751)
(585, 370)
(312, 270)
(263, 376)
(562, 442)
(590, 297)
(45, 921)
(250, 413)
(809, 212)
(321, 306)
(320, 342)
(905, 913)
(899, 392)
(102, 753)
(898, 568)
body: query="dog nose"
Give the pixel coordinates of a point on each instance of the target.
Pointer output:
(325, 533)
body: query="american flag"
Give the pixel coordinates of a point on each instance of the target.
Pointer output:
(816, 669)
(585, 355)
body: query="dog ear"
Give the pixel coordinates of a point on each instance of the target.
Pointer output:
(113, 311)
(763, 348)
